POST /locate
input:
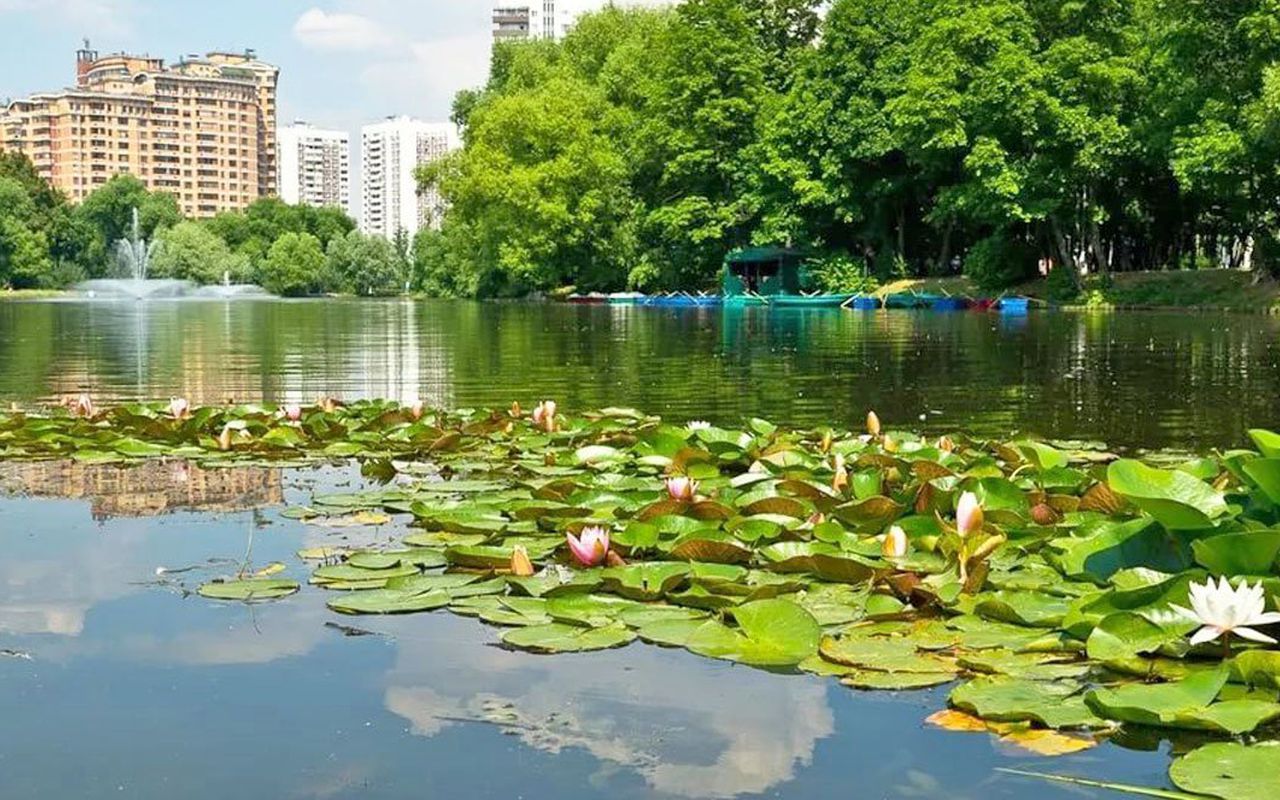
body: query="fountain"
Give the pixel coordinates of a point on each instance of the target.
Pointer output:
(130, 277)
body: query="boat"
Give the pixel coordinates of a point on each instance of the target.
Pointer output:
(627, 298)
(866, 303)
(1014, 305)
(810, 301)
(587, 299)
(772, 276)
(950, 303)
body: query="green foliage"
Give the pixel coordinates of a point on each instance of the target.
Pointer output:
(839, 273)
(294, 265)
(998, 261)
(190, 251)
(364, 265)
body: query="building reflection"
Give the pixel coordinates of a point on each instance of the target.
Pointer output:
(148, 489)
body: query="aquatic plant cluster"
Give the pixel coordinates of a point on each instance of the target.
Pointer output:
(1068, 594)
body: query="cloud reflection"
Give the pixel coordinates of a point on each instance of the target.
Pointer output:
(677, 720)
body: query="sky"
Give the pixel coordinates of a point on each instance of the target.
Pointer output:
(343, 63)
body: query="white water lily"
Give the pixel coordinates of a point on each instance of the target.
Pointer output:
(698, 425)
(1223, 610)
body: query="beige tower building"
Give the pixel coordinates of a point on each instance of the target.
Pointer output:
(203, 129)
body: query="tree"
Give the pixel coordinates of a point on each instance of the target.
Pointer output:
(293, 266)
(189, 251)
(109, 209)
(365, 265)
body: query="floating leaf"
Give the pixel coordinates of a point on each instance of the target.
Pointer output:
(248, 589)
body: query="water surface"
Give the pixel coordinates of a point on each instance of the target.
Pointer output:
(1132, 379)
(136, 688)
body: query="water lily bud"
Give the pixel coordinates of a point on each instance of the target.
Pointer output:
(83, 406)
(612, 559)
(817, 518)
(293, 413)
(521, 566)
(890, 446)
(968, 514)
(516, 413)
(840, 481)
(873, 423)
(682, 489)
(414, 407)
(544, 415)
(224, 439)
(1044, 514)
(826, 442)
(895, 543)
(946, 445)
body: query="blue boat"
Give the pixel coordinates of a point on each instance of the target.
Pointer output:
(866, 303)
(1014, 305)
(950, 303)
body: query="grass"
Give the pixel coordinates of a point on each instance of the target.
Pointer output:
(30, 294)
(1213, 289)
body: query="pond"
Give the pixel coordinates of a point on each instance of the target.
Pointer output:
(118, 680)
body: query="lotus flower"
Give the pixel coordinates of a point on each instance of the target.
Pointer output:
(83, 406)
(682, 489)
(1223, 611)
(544, 416)
(292, 412)
(698, 425)
(895, 543)
(521, 566)
(968, 514)
(873, 423)
(591, 547)
(179, 408)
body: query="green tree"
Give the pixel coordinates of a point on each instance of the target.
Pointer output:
(294, 265)
(189, 251)
(365, 265)
(109, 209)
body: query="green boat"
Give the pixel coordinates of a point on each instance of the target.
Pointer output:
(772, 276)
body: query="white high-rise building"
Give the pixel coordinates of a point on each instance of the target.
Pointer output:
(537, 19)
(390, 153)
(314, 166)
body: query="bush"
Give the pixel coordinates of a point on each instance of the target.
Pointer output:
(1000, 261)
(294, 265)
(839, 273)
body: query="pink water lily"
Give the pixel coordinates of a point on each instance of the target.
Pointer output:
(682, 489)
(1223, 610)
(179, 408)
(968, 514)
(415, 409)
(591, 547)
(895, 543)
(292, 412)
(544, 415)
(83, 406)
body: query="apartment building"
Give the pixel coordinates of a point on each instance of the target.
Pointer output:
(315, 166)
(203, 129)
(390, 153)
(546, 19)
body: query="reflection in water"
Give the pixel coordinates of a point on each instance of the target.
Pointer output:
(679, 721)
(146, 489)
(1134, 379)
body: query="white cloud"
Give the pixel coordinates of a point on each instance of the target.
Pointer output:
(336, 31)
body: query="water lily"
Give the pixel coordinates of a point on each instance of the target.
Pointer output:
(1223, 610)
(682, 489)
(516, 411)
(179, 408)
(968, 514)
(591, 547)
(946, 445)
(292, 412)
(873, 423)
(415, 408)
(521, 566)
(698, 425)
(544, 415)
(327, 404)
(895, 543)
(839, 481)
(83, 406)
(224, 438)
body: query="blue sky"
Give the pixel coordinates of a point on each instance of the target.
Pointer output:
(343, 62)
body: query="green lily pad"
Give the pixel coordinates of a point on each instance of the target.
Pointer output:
(1053, 704)
(1176, 500)
(1230, 771)
(248, 589)
(556, 637)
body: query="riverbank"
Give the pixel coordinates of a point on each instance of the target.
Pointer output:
(32, 294)
(1201, 290)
